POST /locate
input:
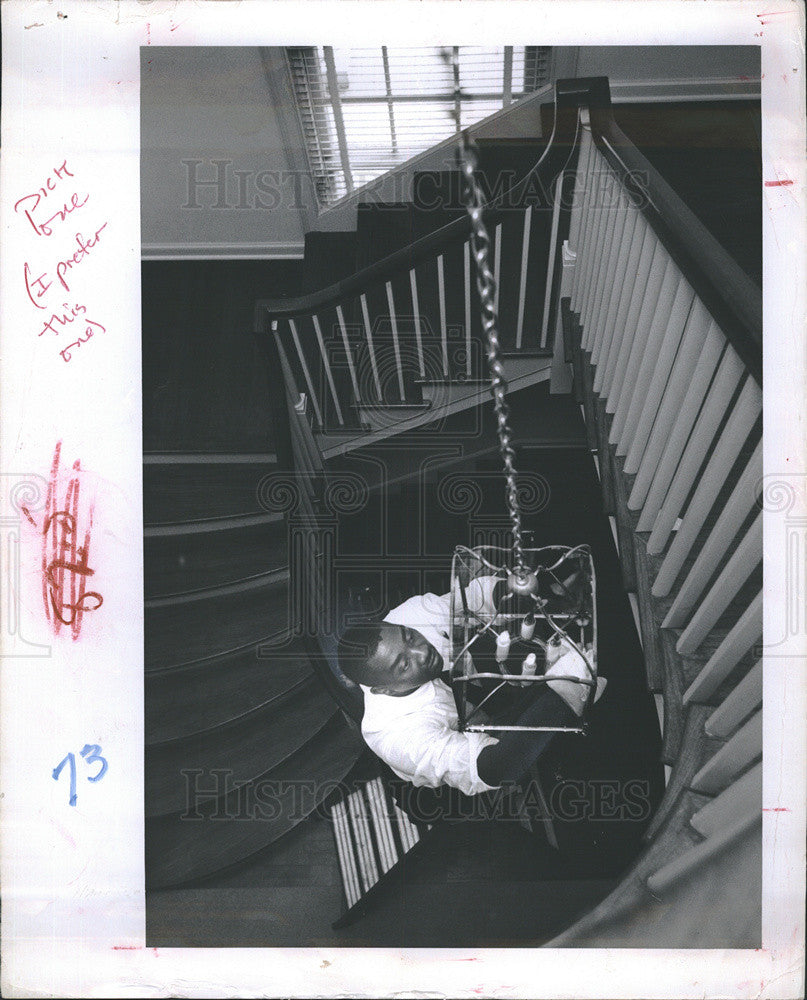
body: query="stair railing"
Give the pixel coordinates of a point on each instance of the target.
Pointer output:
(413, 316)
(664, 332)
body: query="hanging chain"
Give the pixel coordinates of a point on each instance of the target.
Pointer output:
(486, 285)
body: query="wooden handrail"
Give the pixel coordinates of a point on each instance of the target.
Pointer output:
(569, 96)
(732, 298)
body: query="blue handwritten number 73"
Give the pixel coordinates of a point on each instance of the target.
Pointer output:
(91, 753)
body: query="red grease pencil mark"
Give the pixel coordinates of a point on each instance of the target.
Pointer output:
(772, 13)
(65, 834)
(126, 947)
(65, 563)
(785, 182)
(775, 809)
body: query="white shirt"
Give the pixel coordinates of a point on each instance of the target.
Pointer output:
(416, 734)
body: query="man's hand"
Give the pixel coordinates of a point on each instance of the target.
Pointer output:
(555, 650)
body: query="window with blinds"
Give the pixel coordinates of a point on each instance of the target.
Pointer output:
(364, 111)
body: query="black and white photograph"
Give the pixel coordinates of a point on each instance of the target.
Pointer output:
(452, 487)
(403, 494)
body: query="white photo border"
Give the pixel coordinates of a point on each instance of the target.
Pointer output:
(73, 897)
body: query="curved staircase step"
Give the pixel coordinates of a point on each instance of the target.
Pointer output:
(180, 630)
(245, 748)
(382, 228)
(329, 257)
(220, 689)
(197, 491)
(192, 560)
(180, 848)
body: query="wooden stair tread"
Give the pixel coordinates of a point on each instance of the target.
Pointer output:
(382, 228)
(329, 257)
(180, 850)
(178, 564)
(672, 839)
(198, 492)
(215, 691)
(248, 747)
(717, 909)
(186, 630)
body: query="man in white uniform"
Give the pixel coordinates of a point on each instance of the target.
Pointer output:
(410, 718)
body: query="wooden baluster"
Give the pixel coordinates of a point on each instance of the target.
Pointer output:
(369, 335)
(306, 373)
(579, 201)
(741, 799)
(665, 310)
(715, 547)
(307, 456)
(658, 376)
(616, 251)
(605, 216)
(404, 831)
(688, 862)
(593, 220)
(350, 878)
(441, 285)
(622, 278)
(361, 814)
(525, 261)
(351, 366)
(633, 350)
(743, 416)
(466, 256)
(746, 697)
(584, 247)
(688, 414)
(728, 654)
(731, 759)
(630, 299)
(375, 792)
(367, 866)
(328, 372)
(680, 379)
(393, 319)
(414, 833)
(416, 313)
(744, 559)
(610, 249)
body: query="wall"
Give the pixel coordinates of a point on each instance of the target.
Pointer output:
(673, 63)
(236, 105)
(635, 73)
(226, 105)
(206, 387)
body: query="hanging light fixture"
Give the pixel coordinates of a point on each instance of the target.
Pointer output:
(544, 597)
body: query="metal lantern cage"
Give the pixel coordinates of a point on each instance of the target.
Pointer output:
(562, 608)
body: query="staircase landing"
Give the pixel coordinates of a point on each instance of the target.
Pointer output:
(446, 399)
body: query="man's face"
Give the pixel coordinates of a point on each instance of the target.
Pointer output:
(403, 661)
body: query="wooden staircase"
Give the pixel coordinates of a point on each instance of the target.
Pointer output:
(235, 701)
(232, 703)
(661, 332)
(667, 368)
